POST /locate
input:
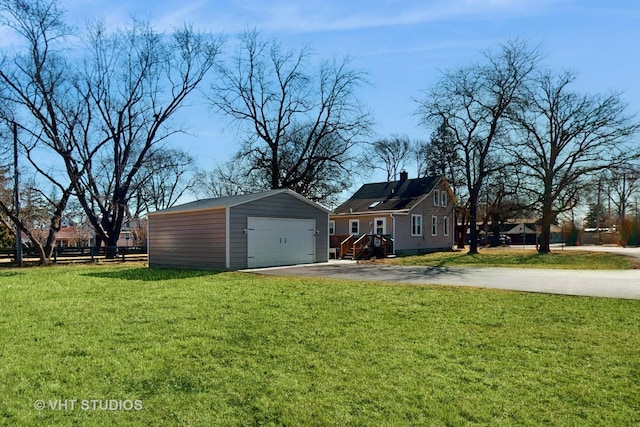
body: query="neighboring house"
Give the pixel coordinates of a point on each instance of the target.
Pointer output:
(84, 236)
(520, 231)
(74, 236)
(278, 227)
(415, 215)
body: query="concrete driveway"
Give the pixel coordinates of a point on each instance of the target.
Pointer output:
(609, 283)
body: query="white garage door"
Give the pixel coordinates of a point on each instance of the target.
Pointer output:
(280, 241)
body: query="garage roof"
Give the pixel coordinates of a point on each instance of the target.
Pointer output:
(232, 201)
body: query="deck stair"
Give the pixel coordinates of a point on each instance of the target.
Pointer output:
(362, 247)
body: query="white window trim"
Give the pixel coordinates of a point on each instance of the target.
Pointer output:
(443, 198)
(436, 198)
(354, 221)
(384, 225)
(445, 222)
(434, 225)
(332, 227)
(413, 217)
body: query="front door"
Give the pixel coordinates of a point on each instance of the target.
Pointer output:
(380, 226)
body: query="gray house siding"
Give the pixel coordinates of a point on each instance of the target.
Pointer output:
(366, 223)
(277, 206)
(188, 240)
(426, 241)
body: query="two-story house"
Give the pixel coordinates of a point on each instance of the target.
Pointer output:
(407, 216)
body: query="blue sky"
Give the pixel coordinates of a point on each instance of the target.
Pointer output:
(403, 44)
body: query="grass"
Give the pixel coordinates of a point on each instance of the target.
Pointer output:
(203, 349)
(558, 259)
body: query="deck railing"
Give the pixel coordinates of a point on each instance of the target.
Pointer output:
(362, 247)
(372, 245)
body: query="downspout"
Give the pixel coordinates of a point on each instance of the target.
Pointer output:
(148, 241)
(227, 240)
(453, 227)
(393, 222)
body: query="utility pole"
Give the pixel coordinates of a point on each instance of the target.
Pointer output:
(16, 194)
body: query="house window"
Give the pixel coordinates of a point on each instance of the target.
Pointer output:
(332, 227)
(446, 225)
(434, 225)
(436, 197)
(416, 225)
(380, 226)
(443, 198)
(354, 226)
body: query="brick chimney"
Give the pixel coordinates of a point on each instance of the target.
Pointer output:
(404, 175)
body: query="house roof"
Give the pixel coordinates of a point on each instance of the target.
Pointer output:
(72, 232)
(400, 195)
(521, 229)
(232, 201)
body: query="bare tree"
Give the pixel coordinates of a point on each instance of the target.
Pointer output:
(222, 181)
(136, 81)
(298, 123)
(101, 114)
(36, 89)
(502, 200)
(565, 138)
(165, 176)
(390, 154)
(472, 102)
(440, 156)
(625, 182)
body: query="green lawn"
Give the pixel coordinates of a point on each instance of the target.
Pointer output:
(498, 257)
(202, 349)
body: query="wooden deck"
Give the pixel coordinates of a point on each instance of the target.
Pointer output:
(366, 246)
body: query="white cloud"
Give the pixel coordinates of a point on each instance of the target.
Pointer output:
(315, 16)
(297, 16)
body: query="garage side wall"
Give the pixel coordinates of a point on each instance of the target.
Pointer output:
(276, 206)
(188, 240)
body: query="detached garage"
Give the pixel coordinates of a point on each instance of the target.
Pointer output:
(278, 227)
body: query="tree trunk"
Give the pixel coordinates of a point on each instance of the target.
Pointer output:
(112, 247)
(545, 234)
(275, 169)
(461, 230)
(473, 223)
(45, 259)
(56, 224)
(545, 237)
(547, 217)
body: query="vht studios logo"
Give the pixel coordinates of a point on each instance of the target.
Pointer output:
(88, 405)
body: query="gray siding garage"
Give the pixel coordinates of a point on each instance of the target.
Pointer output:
(278, 227)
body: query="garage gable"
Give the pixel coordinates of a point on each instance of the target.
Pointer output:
(291, 209)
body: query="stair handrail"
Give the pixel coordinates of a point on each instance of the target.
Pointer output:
(344, 245)
(360, 238)
(347, 239)
(357, 248)
(359, 245)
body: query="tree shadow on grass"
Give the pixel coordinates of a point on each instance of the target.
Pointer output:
(10, 273)
(152, 274)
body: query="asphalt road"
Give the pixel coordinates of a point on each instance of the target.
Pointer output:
(608, 283)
